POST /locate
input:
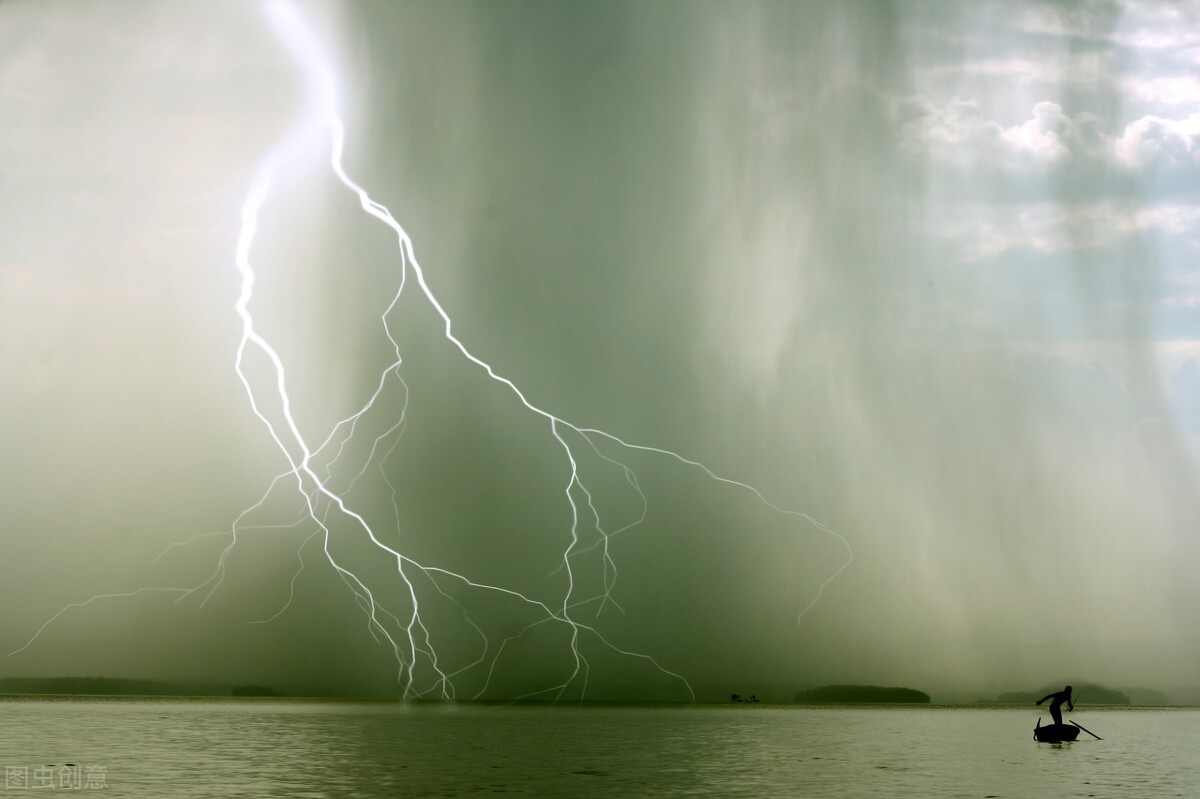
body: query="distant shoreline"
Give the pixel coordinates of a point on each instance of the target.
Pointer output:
(99, 688)
(590, 703)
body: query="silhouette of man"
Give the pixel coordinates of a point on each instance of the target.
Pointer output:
(1056, 703)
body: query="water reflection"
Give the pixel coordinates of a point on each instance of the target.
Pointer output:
(208, 748)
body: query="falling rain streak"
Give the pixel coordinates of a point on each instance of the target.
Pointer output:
(922, 271)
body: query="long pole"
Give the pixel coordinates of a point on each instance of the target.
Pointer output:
(1085, 729)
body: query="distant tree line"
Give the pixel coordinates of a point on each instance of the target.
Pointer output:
(1086, 692)
(119, 686)
(85, 686)
(254, 690)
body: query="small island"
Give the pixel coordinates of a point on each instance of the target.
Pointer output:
(1090, 692)
(861, 694)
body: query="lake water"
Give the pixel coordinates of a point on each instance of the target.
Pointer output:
(226, 748)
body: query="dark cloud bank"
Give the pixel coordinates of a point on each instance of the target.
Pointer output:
(720, 229)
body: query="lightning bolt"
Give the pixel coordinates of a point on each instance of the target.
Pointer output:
(326, 511)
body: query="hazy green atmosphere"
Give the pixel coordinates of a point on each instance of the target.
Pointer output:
(925, 271)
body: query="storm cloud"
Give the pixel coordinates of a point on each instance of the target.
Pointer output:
(923, 271)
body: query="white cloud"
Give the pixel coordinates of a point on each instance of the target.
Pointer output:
(1043, 136)
(1153, 140)
(959, 123)
(1157, 25)
(961, 135)
(1140, 24)
(986, 231)
(1053, 69)
(1164, 91)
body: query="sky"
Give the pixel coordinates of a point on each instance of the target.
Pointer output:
(922, 272)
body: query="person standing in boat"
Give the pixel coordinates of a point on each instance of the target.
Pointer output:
(1056, 700)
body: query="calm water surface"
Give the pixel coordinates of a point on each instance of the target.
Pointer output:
(228, 748)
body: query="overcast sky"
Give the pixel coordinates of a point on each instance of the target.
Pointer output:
(924, 271)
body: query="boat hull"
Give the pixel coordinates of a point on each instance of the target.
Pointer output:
(1055, 733)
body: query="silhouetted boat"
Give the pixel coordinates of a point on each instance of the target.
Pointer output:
(1055, 733)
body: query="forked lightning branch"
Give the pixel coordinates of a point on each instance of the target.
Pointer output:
(313, 462)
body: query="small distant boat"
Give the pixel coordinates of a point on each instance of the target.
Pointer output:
(1055, 733)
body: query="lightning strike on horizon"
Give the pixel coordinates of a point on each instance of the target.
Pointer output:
(419, 668)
